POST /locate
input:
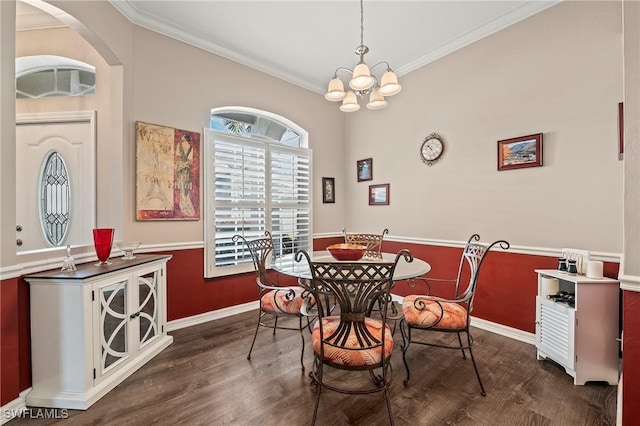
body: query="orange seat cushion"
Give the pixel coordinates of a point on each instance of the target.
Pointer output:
(455, 315)
(355, 356)
(276, 301)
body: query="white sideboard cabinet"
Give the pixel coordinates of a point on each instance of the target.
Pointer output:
(581, 338)
(92, 328)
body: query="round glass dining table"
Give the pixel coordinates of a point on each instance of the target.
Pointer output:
(404, 270)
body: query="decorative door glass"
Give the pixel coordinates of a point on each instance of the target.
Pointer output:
(113, 324)
(148, 306)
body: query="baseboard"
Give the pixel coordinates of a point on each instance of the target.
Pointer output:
(211, 315)
(502, 330)
(15, 407)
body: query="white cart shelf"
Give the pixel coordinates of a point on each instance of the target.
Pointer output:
(92, 328)
(582, 339)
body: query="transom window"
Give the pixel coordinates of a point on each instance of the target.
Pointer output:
(257, 179)
(42, 76)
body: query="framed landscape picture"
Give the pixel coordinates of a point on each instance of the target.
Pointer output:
(379, 195)
(523, 151)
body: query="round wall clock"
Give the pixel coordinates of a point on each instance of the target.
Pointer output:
(432, 149)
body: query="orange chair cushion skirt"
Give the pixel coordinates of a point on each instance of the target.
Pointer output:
(352, 357)
(455, 315)
(276, 301)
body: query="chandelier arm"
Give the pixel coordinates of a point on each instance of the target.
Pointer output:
(380, 63)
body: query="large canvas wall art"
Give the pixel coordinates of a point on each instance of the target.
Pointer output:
(167, 173)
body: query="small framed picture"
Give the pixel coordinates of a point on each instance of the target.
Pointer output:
(516, 153)
(365, 169)
(328, 190)
(620, 131)
(379, 195)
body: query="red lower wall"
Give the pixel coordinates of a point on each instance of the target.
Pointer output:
(506, 295)
(630, 358)
(10, 341)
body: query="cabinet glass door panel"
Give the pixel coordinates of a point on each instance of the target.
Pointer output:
(113, 324)
(148, 306)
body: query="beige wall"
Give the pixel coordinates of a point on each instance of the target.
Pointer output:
(630, 269)
(7, 134)
(559, 73)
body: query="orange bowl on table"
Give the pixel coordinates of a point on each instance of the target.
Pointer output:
(344, 251)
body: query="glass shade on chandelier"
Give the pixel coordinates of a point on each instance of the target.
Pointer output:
(350, 102)
(361, 78)
(376, 100)
(389, 84)
(335, 92)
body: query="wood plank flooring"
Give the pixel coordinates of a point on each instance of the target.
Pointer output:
(204, 378)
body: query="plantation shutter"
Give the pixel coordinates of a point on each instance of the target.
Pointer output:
(255, 187)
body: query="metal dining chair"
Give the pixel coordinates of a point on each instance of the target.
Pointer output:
(276, 301)
(350, 338)
(425, 313)
(373, 242)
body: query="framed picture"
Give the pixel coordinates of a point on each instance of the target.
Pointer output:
(516, 153)
(620, 131)
(365, 169)
(167, 173)
(379, 195)
(328, 190)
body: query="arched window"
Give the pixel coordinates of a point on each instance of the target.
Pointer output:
(257, 179)
(49, 75)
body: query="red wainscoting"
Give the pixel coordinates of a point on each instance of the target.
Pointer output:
(506, 295)
(630, 359)
(10, 341)
(189, 294)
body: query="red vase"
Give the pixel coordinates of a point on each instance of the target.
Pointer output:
(103, 240)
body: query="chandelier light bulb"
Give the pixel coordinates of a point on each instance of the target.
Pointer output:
(389, 84)
(335, 92)
(350, 103)
(376, 100)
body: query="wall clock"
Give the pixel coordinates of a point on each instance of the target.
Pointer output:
(432, 149)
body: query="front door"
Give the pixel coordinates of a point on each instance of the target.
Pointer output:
(70, 136)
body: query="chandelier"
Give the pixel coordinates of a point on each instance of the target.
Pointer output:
(363, 82)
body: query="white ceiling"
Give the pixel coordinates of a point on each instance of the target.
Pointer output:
(304, 41)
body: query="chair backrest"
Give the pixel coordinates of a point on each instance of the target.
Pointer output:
(473, 255)
(373, 242)
(260, 250)
(357, 288)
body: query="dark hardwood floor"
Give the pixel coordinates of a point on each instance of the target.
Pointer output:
(204, 378)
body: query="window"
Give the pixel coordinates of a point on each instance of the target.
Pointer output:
(54, 199)
(257, 179)
(48, 75)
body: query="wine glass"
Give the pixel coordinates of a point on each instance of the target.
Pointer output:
(128, 248)
(103, 240)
